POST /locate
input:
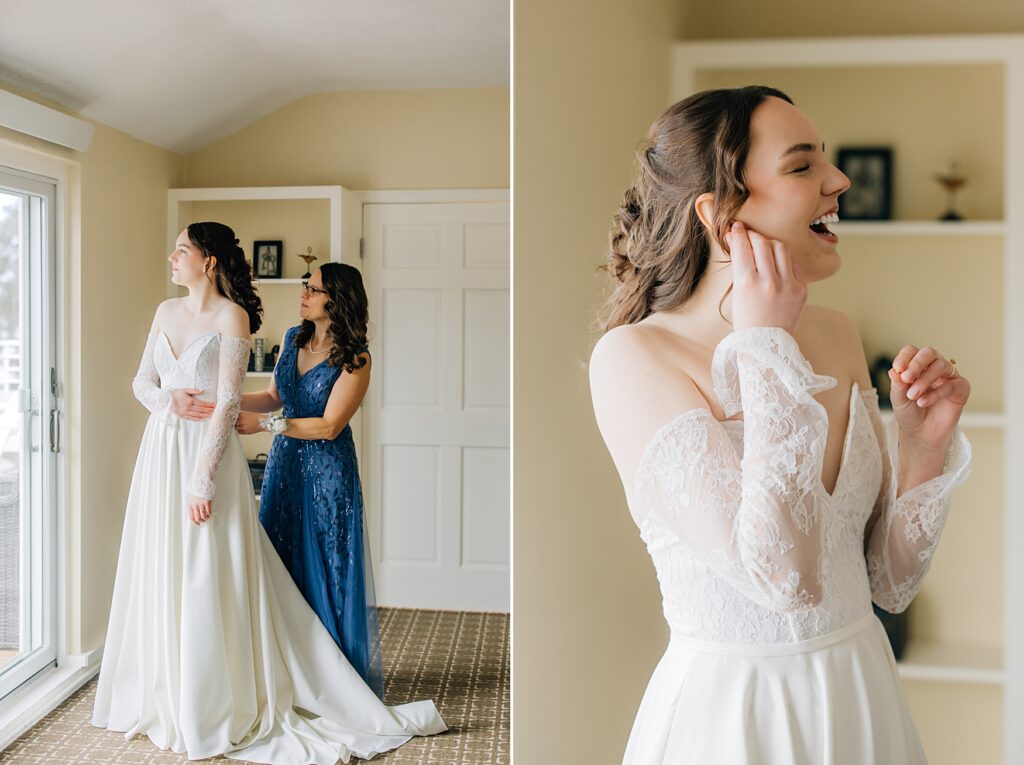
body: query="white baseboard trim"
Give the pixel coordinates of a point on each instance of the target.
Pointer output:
(44, 693)
(84, 660)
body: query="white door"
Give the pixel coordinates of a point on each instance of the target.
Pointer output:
(436, 424)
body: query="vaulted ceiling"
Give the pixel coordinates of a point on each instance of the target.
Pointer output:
(184, 73)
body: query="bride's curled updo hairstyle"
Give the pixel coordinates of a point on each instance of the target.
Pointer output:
(232, 273)
(658, 247)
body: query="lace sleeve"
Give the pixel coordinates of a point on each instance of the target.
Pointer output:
(754, 521)
(234, 358)
(905, 530)
(146, 385)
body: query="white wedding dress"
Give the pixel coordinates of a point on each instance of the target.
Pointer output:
(767, 580)
(211, 648)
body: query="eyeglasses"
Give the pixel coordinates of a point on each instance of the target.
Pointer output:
(309, 289)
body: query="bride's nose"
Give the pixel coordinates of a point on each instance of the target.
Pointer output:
(836, 183)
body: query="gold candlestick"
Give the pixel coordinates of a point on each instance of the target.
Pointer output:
(951, 182)
(309, 257)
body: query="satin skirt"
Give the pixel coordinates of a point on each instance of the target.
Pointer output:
(211, 648)
(831, 700)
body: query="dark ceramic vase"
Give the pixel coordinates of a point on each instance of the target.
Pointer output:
(257, 466)
(896, 628)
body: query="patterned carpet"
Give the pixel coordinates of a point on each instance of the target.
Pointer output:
(458, 659)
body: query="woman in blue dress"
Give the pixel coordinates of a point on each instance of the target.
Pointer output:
(311, 503)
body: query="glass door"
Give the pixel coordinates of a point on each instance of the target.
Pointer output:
(29, 428)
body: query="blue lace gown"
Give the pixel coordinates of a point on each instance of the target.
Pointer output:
(311, 506)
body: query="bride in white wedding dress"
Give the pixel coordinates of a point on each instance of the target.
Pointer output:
(771, 534)
(211, 649)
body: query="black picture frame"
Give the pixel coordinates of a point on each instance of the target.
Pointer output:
(267, 255)
(869, 169)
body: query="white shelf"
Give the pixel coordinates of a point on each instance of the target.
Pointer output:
(994, 420)
(258, 374)
(983, 420)
(949, 663)
(920, 228)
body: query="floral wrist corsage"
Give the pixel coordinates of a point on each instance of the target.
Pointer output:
(274, 423)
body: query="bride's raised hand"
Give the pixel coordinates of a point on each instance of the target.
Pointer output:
(768, 290)
(927, 394)
(185, 404)
(199, 509)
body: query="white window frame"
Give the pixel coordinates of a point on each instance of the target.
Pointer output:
(73, 668)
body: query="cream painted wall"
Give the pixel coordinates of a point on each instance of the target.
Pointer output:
(123, 273)
(400, 139)
(589, 79)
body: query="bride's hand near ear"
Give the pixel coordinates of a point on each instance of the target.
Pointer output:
(767, 288)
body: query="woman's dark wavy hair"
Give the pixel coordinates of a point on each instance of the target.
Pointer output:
(348, 310)
(658, 249)
(232, 273)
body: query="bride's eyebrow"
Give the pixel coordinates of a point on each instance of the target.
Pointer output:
(799, 147)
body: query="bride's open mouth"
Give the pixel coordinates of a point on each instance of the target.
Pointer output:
(820, 226)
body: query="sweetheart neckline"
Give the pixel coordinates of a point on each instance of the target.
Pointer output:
(194, 340)
(702, 411)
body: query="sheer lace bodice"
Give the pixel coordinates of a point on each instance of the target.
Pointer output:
(748, 545)
(212, 363)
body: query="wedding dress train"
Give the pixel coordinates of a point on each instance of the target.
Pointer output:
(211, 648)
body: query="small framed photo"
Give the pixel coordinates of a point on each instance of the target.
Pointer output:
(870, 172)
(266, 259)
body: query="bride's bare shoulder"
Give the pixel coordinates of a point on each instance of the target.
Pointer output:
(631, 350)
(232, 320)
(638, 382)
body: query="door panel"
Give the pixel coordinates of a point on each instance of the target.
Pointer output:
(436, 422)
